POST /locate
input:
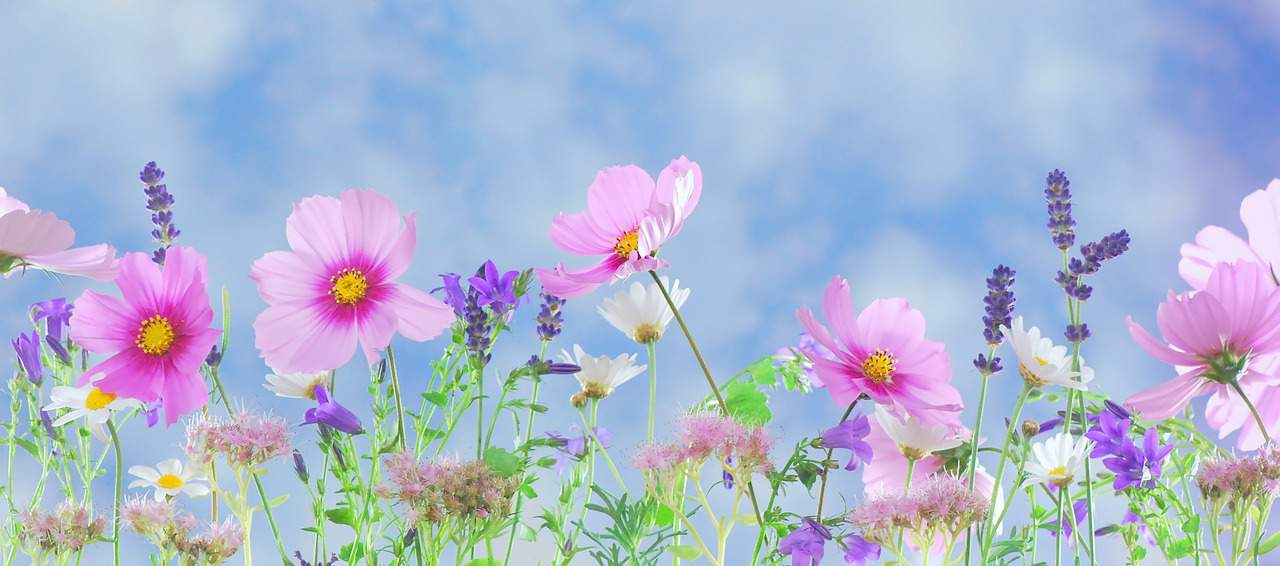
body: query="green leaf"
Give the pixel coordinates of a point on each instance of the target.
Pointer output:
(1182, 548)
(664, 516)
(351, 552)
(747, 403)
(807, 473)
(501, 462)
(685, 551)
(278, 501)
(1192, 525)
(764, 372)
(340, 516)
(748, 519)
(436, 398)
(484, 562)
(1270, 543)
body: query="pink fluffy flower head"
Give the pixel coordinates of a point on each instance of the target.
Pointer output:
(941, 504)
(215, 546)
(67, 530)
(39, 240)
(162, 522)
(882, 353)
(435, 490)
(157, 333)
(336, 287)
(1213, 337)
(247, 440)
(1241, 479)
(628, 218)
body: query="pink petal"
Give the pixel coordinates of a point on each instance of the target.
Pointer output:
(1213, 245)
(837, 305)
(1195, 324)
(1169, 398)
(103, 324)
(1156, 348)
(130, 373)
(839, 379)
(820, 334)
(1260, 212)
(9, 204)
(95, 262)
(619, 198)
(298, 337)
(140, 283)
(192, 347)
(377, 324)
(568, 284)
(421, 317)
(184, 268)
(317, 227)
(577, 234)
(887, 470)
(372, 226)
(1251, 304)
(183, 393)
(1267, 401)
(890, 324)
(684, 197)
(33, 232)
(288, 276)
(1225, 413)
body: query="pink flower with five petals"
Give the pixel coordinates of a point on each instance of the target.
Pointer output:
(39, 240)
(628, 218)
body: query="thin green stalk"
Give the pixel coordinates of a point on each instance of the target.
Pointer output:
(822, 488)
(528, 433)
(395, 390)
(1004, 457)
(973, 443)
(591, 476)
(906, 489)
(653, 386)
(479, 375)
(115, 514)
(1256, 417)
(591, 432)
(1057, 551)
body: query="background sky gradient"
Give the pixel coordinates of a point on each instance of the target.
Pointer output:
(904, 147)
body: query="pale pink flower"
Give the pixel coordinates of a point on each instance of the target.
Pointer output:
(246, 439)
(1260, 212)
(157, 334)
(882, 353)
(67, 530)
(656, 457)
(942, 505)
(1238, 479)
(1213, 336)
(337, 288)
(447, 488)
(628, 218)
(39, 240)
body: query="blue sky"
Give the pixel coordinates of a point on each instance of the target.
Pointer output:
(904, 147)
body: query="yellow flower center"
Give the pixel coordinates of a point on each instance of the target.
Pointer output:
(155, 336)
(627, 244)
(912, 453)
(1030, 378)
(98, 399)
(169, 481)
(647, 333)
(1058, 476)
(879, 366)
(349, 287)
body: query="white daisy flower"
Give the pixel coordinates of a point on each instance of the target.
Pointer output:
(169, 478)
(600, 375)
(297, 385)
(1058, 460)
(642, 312)
(1040, 362)
(914, 438)
(87, 401)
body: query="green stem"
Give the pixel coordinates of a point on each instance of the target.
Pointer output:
(1256, 417)
(653, 385)
(528, 433)
(591, 432)
(479, 375)
(115, 515)
(591, 475)
(1004, 457)
(693, 344)
(906, 489)
(973, 443)
(822, 488)
(395, 390)
(1057, 551)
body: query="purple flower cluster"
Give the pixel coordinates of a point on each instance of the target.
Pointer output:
(1093, 254)
(1057, 194)
(550, 317)
(487, 288)
(999, 312)
(1133, 465)
(160, 203)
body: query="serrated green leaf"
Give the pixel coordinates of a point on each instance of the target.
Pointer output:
(747, 403)
(351, 552)
(501, 461)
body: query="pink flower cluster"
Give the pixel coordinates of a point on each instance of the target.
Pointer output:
(246, 440)
(170, 529)
(434, 491)
(941, 505)
(68, 529)
(703, 435)
(1241, 480)
(215, 546)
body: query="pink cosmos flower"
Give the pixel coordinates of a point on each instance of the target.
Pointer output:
(39, 240)
(628, 218)
(882, 353)
(1260, 212)
(337, 286)
(1213, 336)
(158, 334)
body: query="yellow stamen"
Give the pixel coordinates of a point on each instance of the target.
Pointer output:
(627, 244)
(647, 333)
(155, 336)
(1030, 378)
(170, 481)
(98, 399)
(879, 366)
(349, 287)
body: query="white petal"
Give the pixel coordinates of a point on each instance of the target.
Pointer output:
(145, 472)
(170, 467)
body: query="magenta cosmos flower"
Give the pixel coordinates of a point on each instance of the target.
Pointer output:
(39, 240)
(628, 218)
(158, 334)
(337, 286)
(882, 353)
(1260, 212)
(1220, 334)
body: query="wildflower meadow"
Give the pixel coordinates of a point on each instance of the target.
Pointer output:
(406, 487)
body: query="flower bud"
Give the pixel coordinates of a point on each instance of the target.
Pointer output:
(1030, 428)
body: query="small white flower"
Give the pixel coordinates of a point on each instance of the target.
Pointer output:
(169, 478)
(642, 312)
(1040, 362)
(1059, 460)
(914, 438)
(87, 401)
(297, 385)
(600, 375)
